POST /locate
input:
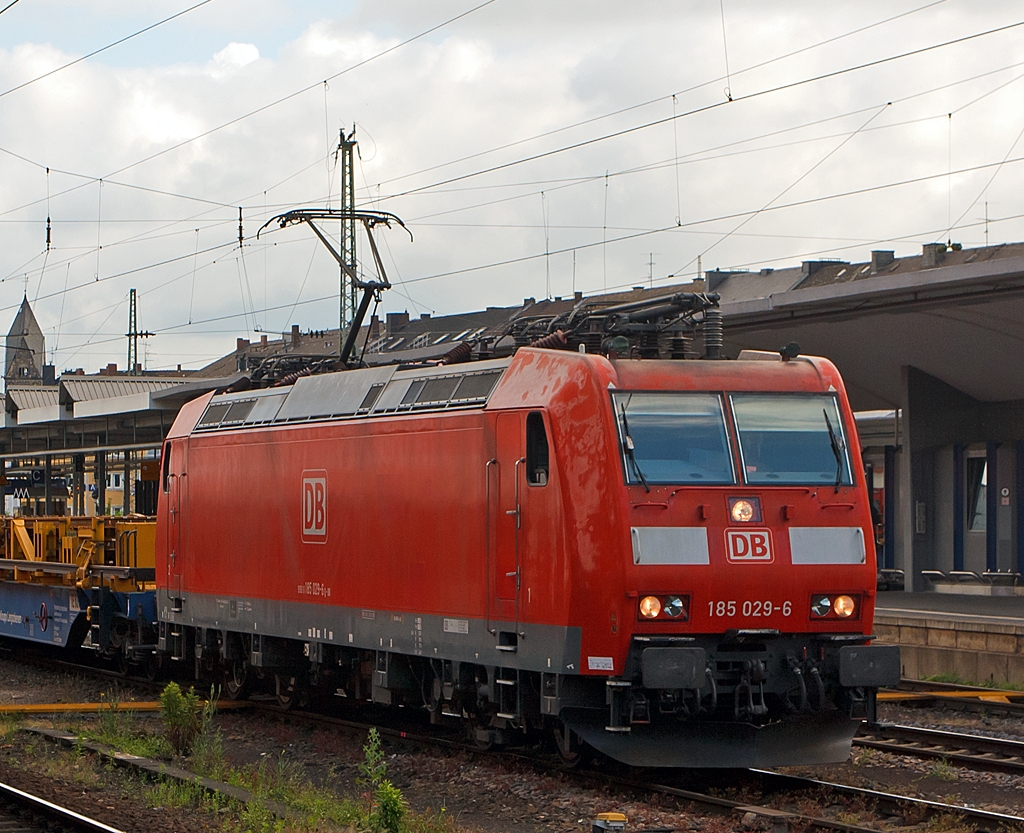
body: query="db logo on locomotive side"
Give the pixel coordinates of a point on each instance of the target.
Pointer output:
(749, 545)
(314, 506)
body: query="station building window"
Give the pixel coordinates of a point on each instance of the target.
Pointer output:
(976, 470)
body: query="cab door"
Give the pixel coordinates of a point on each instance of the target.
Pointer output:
(506, 517)
(175, 487)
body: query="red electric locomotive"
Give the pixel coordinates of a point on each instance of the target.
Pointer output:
(670, 560)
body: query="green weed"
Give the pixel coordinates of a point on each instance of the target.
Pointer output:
(390, 808)
(120, 729)
(373, 768)
(942, 770)
(175, 794)
(180, 712)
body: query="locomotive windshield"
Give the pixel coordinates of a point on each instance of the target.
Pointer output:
(673, 438)
(791, 439)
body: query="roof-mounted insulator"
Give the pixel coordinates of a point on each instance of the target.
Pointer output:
(713, 337)
(458, 354)
(552, 341)
(292, 378)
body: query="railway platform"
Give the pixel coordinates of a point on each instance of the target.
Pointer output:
(976, 638)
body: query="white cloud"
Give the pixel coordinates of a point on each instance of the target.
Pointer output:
(446, 105)
(234, 56)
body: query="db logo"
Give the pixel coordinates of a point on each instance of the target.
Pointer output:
(314, 506)
(748, 545)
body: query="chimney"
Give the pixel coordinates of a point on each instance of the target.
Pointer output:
(179, 368)
(295, 335)
(138, 369)
(241, 344)
(932, 255)
(577, 296)
(109, 370)
(809, 267)
(424, 316)
(715, 278)
(529, 302)
(395, 321)
(263, 340)
(881, 259)
(374, 327)
(49, 374)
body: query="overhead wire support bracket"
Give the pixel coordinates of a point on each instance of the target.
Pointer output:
(369, 220)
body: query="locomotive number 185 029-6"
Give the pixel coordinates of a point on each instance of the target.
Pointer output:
(726, 608)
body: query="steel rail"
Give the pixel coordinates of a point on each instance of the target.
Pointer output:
(43, 815)
(978, 699)
(974, 751)
(779, 820)
(889, 801)
(936, 689)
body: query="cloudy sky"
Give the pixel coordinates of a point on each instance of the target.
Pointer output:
(532, 148)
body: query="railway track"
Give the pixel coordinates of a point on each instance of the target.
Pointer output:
(974, 751)
(987, 753)
(893, 805)
(772, 784)
(21, 812)
(885, 804)
(955, 697)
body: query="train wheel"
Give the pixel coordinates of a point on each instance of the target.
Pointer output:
(151, 667)
(288, 689)
(479, 733)
(571, 749)
(236, 680)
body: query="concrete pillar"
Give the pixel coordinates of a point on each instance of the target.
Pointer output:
(1019, 499)
(905, 555)
(126, 504)
(959, 506)
(889, 510)
(48, 485)
(101, 482)
(78, 485)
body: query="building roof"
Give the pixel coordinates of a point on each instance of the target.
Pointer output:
(87, 388)
(955, 315)
(31, 396)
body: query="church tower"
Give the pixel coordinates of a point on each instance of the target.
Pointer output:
(26, 348)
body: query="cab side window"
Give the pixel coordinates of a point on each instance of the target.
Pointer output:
(537, 465)
(167, 467)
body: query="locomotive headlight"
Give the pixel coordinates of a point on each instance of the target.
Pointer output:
(844, 606)
(675, 607)
(825, 606)
(821, 606)
(650, 607)
(745, 510)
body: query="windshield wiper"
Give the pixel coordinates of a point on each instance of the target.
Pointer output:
(837, 449)
(628, 445)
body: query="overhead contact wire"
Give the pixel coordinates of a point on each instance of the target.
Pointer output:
(649, 102)
(707, 108)
(96, 52)
(305, 89)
